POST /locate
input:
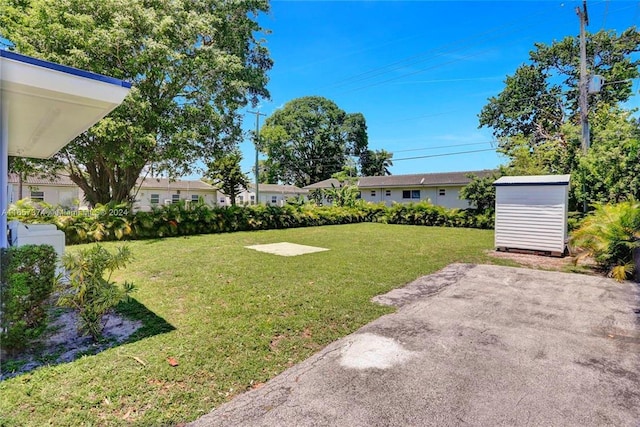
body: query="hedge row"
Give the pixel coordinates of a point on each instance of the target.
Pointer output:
(117, 222)
(27, 279)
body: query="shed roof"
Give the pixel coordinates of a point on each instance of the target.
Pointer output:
(533, 180)
(411, 180)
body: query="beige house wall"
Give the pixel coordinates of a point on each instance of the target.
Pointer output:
(71, 196)
(168, 196)
(389, 196)
(247, 197)
(56, 195)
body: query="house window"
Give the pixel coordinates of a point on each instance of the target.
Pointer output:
(240, 199)
(274, 199)
(442, 192)
(387, 193)
(415, 194)
(155, 199)
(195, 198)
(253, 199)
(37, 196)
(222, 201)
(406, 194)
(359, 195)
(175, 198)
(373, 193)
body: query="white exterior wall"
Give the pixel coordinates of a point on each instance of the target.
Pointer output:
(55, 195)
(532, 217)
(247, 197)
(143, 199)
(432, 194)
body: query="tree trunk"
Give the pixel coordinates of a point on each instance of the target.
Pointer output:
(20, 186)
(102, 185)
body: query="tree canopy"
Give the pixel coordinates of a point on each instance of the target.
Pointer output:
(542, 95)
(375, 163)
(193, 65)
(536, 118)
(309, 139)
(226, 174)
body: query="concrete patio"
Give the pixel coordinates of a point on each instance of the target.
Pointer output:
(469, 345)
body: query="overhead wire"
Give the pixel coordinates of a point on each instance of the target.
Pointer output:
(439, 52)
(447, 48)
(444, 146)
(443, 154)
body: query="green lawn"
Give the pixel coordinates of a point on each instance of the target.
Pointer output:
(238, 317)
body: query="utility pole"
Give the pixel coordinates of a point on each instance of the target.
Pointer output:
(584, 78)
(584, 87)
(257, 140)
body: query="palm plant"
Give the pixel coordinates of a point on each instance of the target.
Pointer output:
(90, 290)
(610, 234)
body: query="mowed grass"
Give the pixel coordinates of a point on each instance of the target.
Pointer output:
(240, 318)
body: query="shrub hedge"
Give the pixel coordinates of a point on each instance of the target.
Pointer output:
(611, 235)
(182, 219)
(26, 282)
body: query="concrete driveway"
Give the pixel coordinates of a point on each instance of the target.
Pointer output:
(469, 345)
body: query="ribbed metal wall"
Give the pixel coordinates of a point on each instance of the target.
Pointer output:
(531, 217)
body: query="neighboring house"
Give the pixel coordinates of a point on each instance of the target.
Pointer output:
(270, 194)
(442, 189)
(57, 191)
(162, 191)
(61, 191)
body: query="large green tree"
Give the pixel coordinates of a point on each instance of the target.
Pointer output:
(226, 174)
(193, 65)
(375, 163)
(311, 138)
(610, 172)
(536, 117)
(542, 95)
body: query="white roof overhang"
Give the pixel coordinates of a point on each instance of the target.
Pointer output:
(43, 106)
(46, 105)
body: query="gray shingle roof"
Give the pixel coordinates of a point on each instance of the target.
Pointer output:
(277, 188)
(158, 183)
(412, 180)
(164, 183)
(58, 180)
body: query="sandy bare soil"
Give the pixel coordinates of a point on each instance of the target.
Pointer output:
(543, 262)
(62, 343)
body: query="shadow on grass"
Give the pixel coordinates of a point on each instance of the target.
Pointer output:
(130, 322)
(152, 324)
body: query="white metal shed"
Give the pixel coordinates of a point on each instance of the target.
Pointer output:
(531, 213)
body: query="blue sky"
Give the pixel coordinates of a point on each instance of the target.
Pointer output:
(419, 71)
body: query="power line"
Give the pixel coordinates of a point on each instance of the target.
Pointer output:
(443, 154)
(444, 146)
(438, 52)
(324, 161)
(445, 49)
(604, 16)
(422, 70)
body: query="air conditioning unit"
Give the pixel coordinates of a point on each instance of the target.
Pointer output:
(168, 201)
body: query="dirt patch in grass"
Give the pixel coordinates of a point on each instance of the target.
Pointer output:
(62, 343)
(567, 263)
